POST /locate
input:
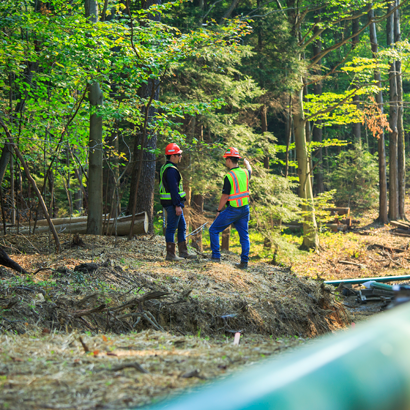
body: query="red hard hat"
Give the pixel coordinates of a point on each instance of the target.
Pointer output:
(232, 152)
(172, 149)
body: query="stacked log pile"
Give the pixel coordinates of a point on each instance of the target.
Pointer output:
(402, 228)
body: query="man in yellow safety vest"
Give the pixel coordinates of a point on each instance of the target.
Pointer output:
(172, 198)
(235, 194)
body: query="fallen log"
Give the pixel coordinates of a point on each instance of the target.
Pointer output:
(407, 235)
(401, 230)
(403, 225)
(384, 247)
(337, 227)
(64, 221)
(339, 210)
(361, 266)
(79, 225)
(333, 226)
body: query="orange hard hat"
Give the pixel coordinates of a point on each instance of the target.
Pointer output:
(172, 149)
(232, 152)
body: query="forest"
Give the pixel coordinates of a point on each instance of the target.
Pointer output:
(313, 94)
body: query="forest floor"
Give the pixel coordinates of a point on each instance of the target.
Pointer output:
(114, 325)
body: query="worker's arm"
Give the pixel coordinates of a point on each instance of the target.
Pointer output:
(222, 202)
(172, 180)
(247, 165)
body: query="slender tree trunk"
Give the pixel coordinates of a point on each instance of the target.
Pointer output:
(288, 134)
(400, 127)
(12, 192)
(308, 136)
(264, 124)
(383, 218)
(393, 150)
(357, 135)
(317, 127)
(4, 161)
(225, 239)
(198, 210)
(310, 239)
(33, 184)
(230, 10)
(95, 158)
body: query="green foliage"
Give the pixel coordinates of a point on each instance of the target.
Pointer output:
(355, 178)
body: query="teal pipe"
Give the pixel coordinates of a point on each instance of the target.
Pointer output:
(365, 368)
(362, 280)
(381, 286)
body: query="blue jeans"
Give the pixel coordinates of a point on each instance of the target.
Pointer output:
(239, 217)
(174, 222)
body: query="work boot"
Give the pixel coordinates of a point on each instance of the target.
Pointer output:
(242, 265)
(183, 251)
(171, 252)
(216, 260)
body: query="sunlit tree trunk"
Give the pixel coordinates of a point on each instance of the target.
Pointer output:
(393, 151)
(310, 236)
(95, 145)
(381, 142)
(401, 157)
(357, 135)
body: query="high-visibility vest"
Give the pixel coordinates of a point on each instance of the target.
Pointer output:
(163, 194)
(239, 195)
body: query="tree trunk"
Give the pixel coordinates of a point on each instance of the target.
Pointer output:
(95, 158)
(288, 134)
(383, 218)
(356, 99)
(393, 151)
(230, 10)
(143, 173)
(400, 128)
(225, 239)
(317, 126)
(198, 209)
(4, 160)
(264, 125)
(33, 184)
(310, 236)
(12, 192)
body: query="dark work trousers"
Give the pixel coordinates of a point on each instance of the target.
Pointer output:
(175, 222)
(239, 217)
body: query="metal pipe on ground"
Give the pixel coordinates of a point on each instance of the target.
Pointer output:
(362, 280)
(365, 368)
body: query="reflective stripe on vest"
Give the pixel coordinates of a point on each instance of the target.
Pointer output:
(163, 194)
(239, 195)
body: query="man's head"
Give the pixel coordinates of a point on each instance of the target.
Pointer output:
(173, 153)
(231, 162)
(231, 157)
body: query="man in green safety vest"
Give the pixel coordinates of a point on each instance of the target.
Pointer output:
(172, 197)
(235, 194)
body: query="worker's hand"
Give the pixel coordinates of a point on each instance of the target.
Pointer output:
(178, 210)
(246, 163)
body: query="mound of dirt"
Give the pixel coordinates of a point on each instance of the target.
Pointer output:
(120, 286)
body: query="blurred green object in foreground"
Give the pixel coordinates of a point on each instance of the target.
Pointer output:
(365, 368)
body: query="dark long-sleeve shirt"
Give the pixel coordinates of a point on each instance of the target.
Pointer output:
(171, 179)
